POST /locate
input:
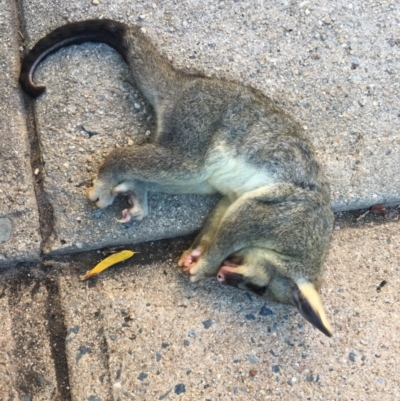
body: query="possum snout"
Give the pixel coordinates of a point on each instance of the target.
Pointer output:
(227, 275)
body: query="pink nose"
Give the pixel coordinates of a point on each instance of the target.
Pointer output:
(221, 275)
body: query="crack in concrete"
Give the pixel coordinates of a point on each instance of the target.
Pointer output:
(32, 377)
(58, 333)
(46, 213)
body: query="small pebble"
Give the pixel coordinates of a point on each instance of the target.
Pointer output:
(250, 316)
(207, 323)
(264, 311)
(352, 356)
(252, 372)
(275, 368)
(98, 213)
(180, 389)
(142, 376)
(251, 359)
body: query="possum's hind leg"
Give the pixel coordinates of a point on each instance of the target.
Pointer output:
(203, 239)
(253, 220)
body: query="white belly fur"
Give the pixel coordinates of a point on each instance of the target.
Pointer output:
(233, 177)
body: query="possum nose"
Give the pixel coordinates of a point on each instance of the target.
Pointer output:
(223, 273)
(229, 275)
(220, 277)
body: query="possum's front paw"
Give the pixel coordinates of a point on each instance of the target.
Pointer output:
(134, 213)
(101, 195)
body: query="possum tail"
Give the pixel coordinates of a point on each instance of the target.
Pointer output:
(153, 75)
(104, 31)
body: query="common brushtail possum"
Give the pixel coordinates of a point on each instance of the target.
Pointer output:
(270, 231)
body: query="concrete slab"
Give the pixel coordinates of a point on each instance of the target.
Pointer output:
(142, 331)
(19, 224)
(27, 368)
(334, 67)
(7, 368)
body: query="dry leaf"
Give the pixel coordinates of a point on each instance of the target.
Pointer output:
(107, 262)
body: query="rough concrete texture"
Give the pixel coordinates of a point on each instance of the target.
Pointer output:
(332, 66)
(7, 369)
(142, 331)
(27, 364)
(19, 221)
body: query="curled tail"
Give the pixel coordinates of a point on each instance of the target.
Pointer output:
(104, 31)
(153, 75)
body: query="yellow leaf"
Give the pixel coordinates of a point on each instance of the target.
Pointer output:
(107, 262)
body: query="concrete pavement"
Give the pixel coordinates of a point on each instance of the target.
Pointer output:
(141, 331)
(332, 67)
(19, 218)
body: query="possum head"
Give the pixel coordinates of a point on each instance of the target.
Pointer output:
(263, 280)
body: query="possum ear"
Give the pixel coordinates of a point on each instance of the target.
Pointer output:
(309, 304)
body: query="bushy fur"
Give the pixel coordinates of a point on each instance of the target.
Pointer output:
(270, 232)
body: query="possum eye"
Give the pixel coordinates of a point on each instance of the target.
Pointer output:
(257, 289)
